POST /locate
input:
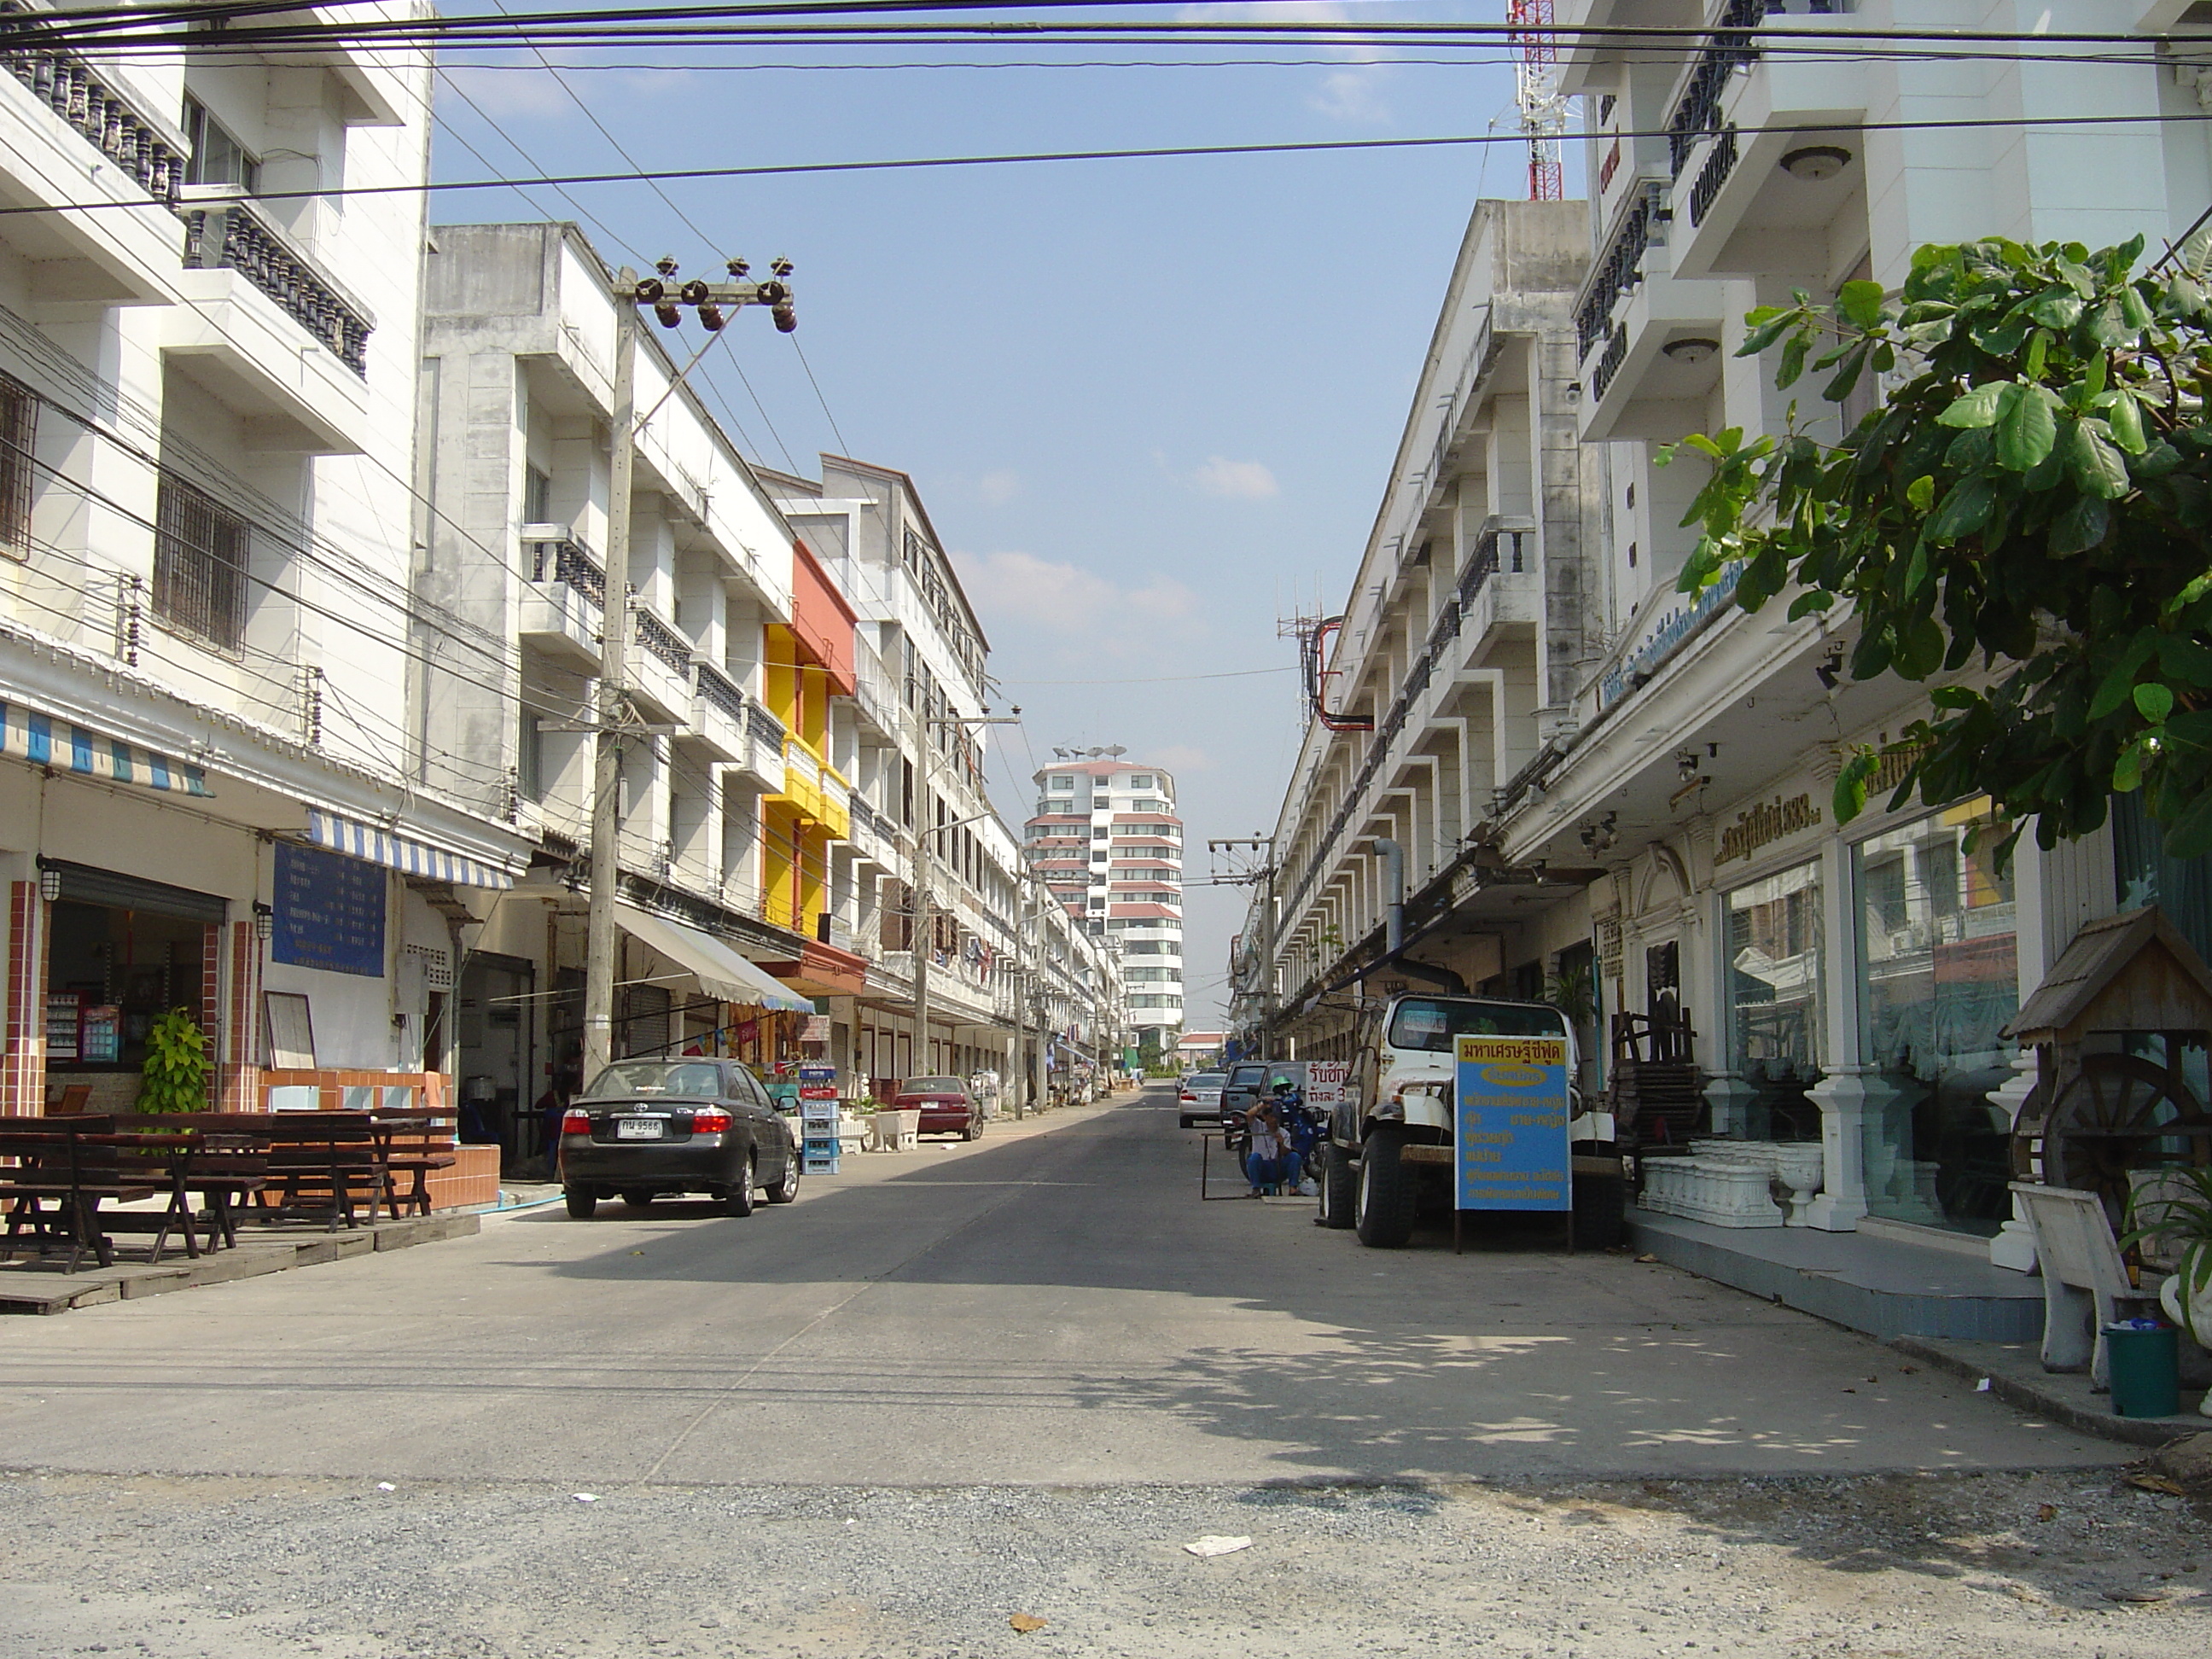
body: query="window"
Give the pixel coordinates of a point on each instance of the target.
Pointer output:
(217, 158)
(537, 494)
(1774, 992)
(19, 417)
(200, 550)
(1144, 781)
(530, 758)
(1060, 785)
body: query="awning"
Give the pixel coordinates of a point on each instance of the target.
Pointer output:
(402, 852)
(720, 971)
(40, 739)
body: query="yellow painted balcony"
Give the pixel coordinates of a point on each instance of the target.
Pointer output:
(815, 787)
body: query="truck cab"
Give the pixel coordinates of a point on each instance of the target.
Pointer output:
(1390, 1153)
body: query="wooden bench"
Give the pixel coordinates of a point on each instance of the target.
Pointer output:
(75, 1164)
(417, 1146)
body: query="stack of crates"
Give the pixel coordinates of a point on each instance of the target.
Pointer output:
(818, 1119)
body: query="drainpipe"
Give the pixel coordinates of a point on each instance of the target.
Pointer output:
(1394, 877)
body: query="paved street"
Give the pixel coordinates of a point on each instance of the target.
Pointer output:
(1039, 1362)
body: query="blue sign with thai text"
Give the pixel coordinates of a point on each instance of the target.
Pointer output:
(330, 912)
(1509, 1135)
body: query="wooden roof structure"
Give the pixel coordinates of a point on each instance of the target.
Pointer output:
(2132, 972)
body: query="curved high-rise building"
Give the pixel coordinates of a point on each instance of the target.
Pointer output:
(1107, 843)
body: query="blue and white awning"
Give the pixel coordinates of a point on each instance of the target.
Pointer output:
(402, 852)
(41, 739)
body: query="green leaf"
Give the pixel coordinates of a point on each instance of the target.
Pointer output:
(2195, 254)
(2058, 307)
(2191, 834)
(2094, 461)
(1847, 376)
(2039, 345)
(1793, 361)
(2120, 680)
(2153, 702)
(1965, 510)
(1860, 302)
(2127, 770)
(2184, 658)
(2079, 527)
(2107, 326)
(2126, 419)
(2026, 430)
(1921, 492)
(1767, 324)
(1978, 407)
(1858, 771)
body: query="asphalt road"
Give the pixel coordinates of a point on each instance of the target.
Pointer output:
(1051, 1305)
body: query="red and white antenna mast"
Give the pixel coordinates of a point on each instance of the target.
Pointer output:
(1536, 90)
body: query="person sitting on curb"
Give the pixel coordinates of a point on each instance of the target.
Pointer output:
(1269, 1163)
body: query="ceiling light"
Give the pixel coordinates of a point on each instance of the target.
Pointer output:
(1816, 162)
(1695, 349)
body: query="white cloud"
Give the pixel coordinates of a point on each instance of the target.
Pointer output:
(1022, 589)
(1244, 481)
(1181, 757)
(999, 487)
(1354, 94)
(517, 92)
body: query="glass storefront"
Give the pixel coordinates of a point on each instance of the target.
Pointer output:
(1938, 961)
(1774, 992)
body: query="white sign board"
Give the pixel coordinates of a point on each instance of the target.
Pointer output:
(1325, 1081)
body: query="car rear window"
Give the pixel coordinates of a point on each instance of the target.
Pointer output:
(1208, 1079)
(635, 1077)
(1432, 1023)
(934, 1085)
(1247, 1077)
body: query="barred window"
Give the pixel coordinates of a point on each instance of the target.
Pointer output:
(200, 550)
(18, 418)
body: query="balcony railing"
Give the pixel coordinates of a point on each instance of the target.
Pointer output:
(1616, 354)
(716, 691)
(566, 562)
(1619, 270)
(232, 237)
(1698, 112)
(103, 115)
(1720, 161)
(662, 641)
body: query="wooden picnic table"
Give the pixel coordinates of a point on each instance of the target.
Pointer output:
(75, 1164)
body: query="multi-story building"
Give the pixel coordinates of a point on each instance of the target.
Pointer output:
(213, 796)
(1106, 843)
(1631, 808)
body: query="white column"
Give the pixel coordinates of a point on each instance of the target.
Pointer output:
(1848, 1087)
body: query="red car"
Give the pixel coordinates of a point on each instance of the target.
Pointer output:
(945, 1105)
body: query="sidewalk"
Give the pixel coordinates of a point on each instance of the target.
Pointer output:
(2015, 1375)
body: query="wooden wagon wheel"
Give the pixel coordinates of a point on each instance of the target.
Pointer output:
(2118, 1113)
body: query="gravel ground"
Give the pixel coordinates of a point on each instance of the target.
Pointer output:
(2059, 1563)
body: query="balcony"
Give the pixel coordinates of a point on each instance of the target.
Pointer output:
(657, 667)
(1650, 342)
(253, 295)
(75, 137)
(816, 788)
(762, 762)
(718, 715)
(560, 613)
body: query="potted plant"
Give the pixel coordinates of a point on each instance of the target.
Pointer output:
(2181, 1221)
(175, 1078)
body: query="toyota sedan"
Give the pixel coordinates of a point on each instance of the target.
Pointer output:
(945, 1105)
(652, 1128)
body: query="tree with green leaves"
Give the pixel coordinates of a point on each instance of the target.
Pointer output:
(175, 1077)
(2024, 514)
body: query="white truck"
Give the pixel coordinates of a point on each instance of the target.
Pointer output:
(1389, 1154)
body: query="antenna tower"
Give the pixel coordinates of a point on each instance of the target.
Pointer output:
(1536, 90)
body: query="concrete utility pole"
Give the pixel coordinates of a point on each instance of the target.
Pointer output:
(1262, 875)
(707, 301)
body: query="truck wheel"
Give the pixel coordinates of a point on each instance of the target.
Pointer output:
(1386, 1192)
(1600, 1219)
(1339, 1188)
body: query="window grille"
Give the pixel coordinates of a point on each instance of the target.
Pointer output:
(19, 417)
(200, 551)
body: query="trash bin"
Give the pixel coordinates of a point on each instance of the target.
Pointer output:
(2144, 1359)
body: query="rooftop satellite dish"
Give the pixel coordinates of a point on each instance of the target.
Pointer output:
(1117, 751)
(1094, 753)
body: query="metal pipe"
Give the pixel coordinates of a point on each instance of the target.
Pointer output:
(1394, 879)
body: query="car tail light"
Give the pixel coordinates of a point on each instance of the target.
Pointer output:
(1187, 1095)
(573, 1122)
(710, 1123)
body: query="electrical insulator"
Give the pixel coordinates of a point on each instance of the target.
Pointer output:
(787, 317)
(669, 315)
(710, 317)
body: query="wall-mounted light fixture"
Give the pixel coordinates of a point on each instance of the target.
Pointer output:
(1829, 670)
(1686, 763)
(1814, 162)
(49, 881)
(265, 921)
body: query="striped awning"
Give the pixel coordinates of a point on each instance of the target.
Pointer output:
(402, 852)
(44, 740)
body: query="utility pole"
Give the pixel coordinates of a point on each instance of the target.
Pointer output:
(707, 301)
(1031, 980)
(1262, 875)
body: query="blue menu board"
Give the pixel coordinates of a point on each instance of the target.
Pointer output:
(330, 912)
(1510, 1138)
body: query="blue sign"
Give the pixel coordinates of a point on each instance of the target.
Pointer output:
(330, 912)
(1510, 1135)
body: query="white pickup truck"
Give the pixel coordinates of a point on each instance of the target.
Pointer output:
(1389, 1152)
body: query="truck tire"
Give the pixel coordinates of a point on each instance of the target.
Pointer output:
(1339, 1188)
(1600, 1218)
(1385, 1219)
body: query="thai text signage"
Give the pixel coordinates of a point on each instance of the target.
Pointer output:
(1511, 1130)
(1768, 822)
(330, 912)
(1325, 1081)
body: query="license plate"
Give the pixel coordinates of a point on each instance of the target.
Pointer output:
(638, 1128)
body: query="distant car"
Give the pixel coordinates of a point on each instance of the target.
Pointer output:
(652, 1128)
(946, 1106)
(1200, 1101)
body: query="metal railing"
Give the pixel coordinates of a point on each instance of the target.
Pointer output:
(764, 727)
(233, 237)
(1616, 354)
(716, 690)
(567, 563)
(103, 115)
(1696, 112)
(1620, 270)
(662, 641)
(1720, 161)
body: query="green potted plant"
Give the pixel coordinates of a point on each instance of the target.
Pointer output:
(175, 1078)
(2180, 1221)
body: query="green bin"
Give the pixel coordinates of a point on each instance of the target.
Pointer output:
(2145, 1364)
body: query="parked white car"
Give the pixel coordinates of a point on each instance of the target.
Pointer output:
(1200, 1101)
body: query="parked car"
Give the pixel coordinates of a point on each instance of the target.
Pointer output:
(945, 1105)
(1200, 1101)
(651, 1129)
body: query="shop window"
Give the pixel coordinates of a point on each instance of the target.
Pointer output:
(111, 972)
(1938, 961)
(200, 550)
(1774, 1000)
(19, 414)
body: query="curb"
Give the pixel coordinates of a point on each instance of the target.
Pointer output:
(2128, 1430)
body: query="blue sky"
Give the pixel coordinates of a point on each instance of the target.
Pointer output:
(1150, 405)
